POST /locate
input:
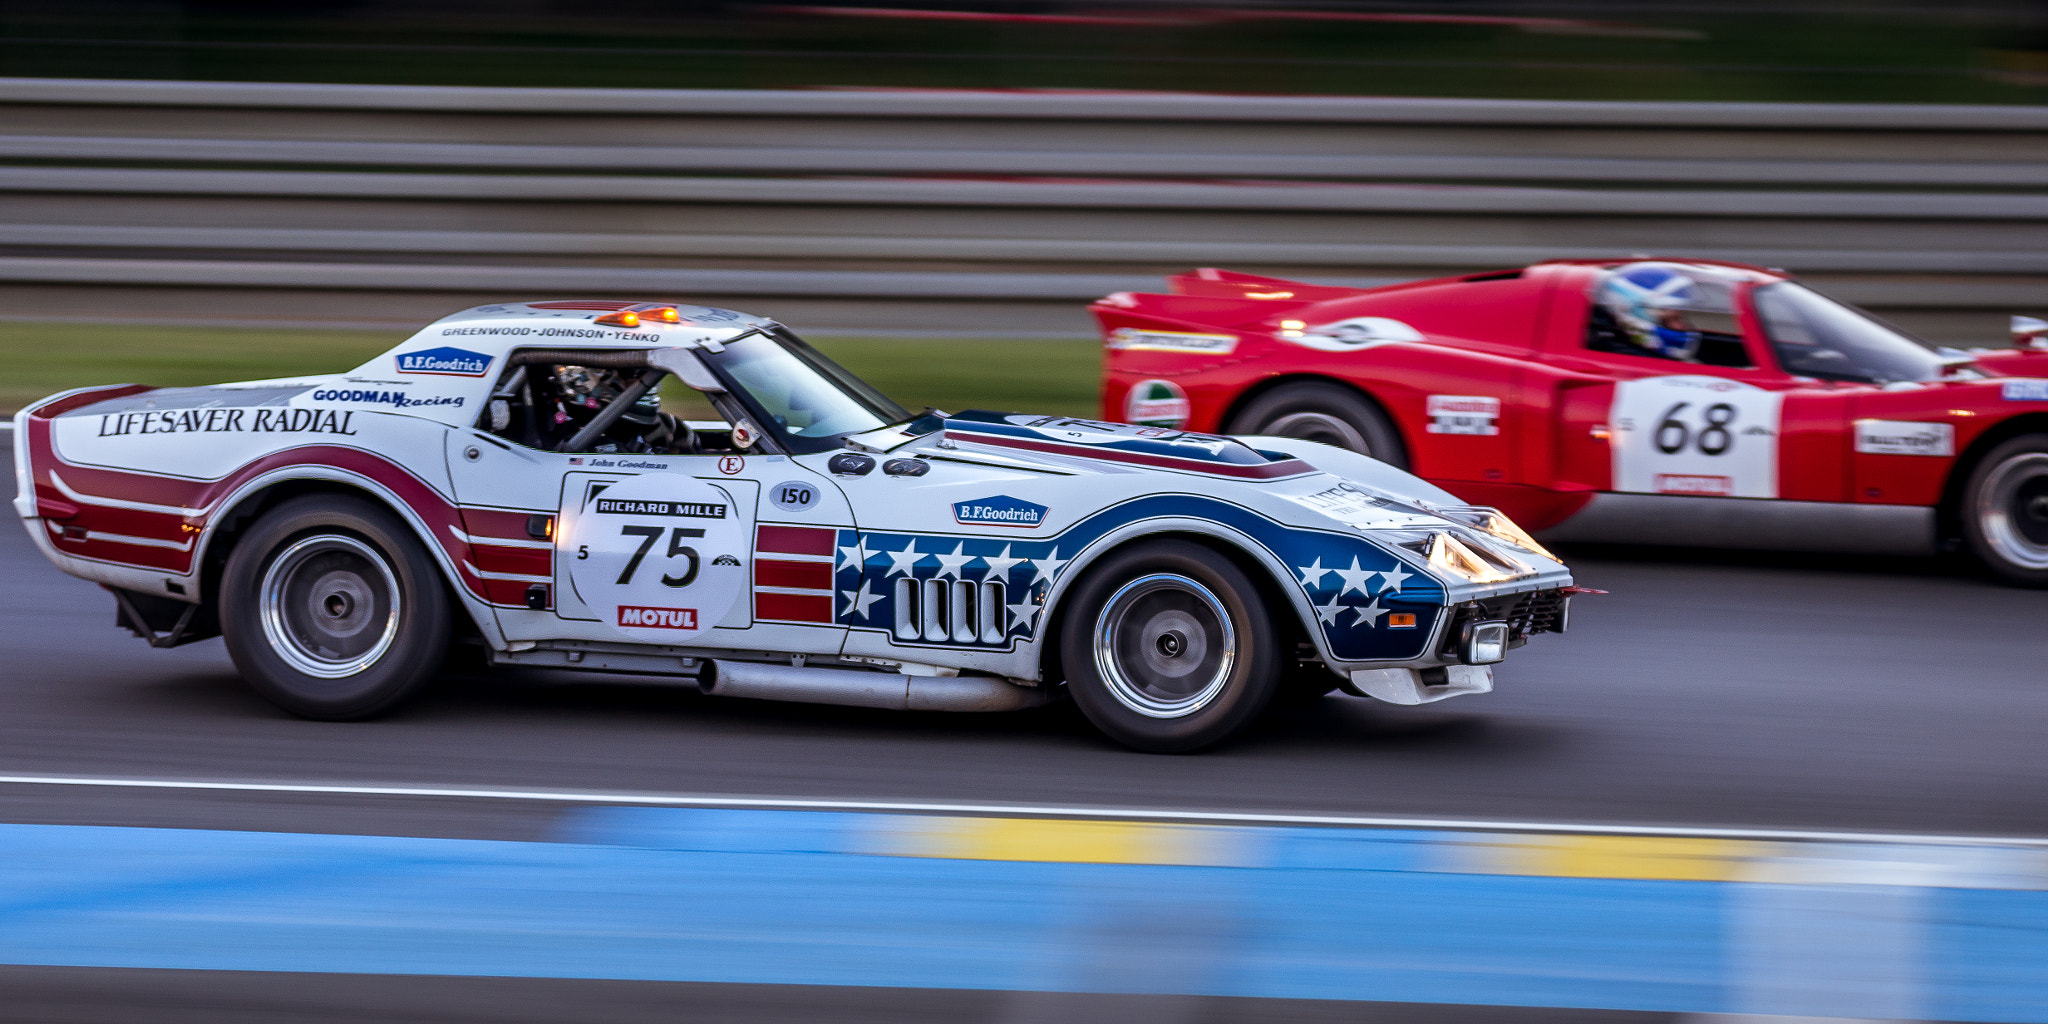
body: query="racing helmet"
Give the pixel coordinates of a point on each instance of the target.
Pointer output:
(583, 390)
(1648, 300)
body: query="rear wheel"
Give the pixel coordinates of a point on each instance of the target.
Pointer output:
(1325, 413)
(332, 610)
(2005, 510)
(1168, 647)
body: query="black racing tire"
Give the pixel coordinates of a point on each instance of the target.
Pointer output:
(1327, 413)
(332, 609)
(2004, 510)
(1168, 647)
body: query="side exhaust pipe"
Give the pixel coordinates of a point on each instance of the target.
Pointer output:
(855, 688)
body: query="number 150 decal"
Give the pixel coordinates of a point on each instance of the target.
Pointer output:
(660, 558)
(1695, 435)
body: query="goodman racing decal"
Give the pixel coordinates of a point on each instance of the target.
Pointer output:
(1001, 510)
(395, 399)
(228, 421)
(444, 361)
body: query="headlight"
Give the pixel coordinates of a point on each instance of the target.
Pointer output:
(1483, 643)
(1491, 522)
(1454, 556)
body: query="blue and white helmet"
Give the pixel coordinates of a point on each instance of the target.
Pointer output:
(1641, 296)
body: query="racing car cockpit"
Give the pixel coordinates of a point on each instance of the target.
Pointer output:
(771, 389)
(1666, 311)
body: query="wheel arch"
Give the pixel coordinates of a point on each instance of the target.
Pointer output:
(1948, 517)
(1262, 566)
(1265, 387)
(242, 509)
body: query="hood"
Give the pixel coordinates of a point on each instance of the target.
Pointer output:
(1148, 447)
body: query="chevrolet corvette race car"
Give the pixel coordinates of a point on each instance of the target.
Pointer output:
(508, 477)
(1658, 401)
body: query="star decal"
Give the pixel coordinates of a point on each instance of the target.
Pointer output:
(904, 561)
(999, 566)
(1047, 566)
(1328, 612)
(857, 601)
(1312, 574)
(1022, 613)
(1391, 580)
(1369, 614)
(851, 557)
(1355, 578)
(951, 564)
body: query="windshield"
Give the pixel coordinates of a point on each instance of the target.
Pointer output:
(1815, 336)
(801, 398)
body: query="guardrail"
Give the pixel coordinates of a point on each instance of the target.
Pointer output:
(924, 207)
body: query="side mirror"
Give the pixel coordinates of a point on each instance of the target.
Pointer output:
(2029, 332)
(683, 365)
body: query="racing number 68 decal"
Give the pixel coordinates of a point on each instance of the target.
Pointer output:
(1695, 435)
(660, 558)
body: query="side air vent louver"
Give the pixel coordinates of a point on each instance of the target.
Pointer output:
(949, 611)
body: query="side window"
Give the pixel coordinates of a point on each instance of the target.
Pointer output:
(560, 407)
(1666, 311)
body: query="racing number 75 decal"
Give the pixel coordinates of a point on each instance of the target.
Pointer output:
(1695, 435)
(677, 534)
(660, 558)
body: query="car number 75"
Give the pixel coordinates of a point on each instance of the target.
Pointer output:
(676, 536)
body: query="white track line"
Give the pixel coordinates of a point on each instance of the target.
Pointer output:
(1027, 810)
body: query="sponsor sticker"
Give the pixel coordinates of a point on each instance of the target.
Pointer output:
(2026, 390)
(657, 618)
(793, 495)
(1464, 414)
(1000, 510)
(1133, 339)
(731, 464)
(1695, 483)
(687, 509)
(1893, 437)
(262, 420)
(444, 361)
(395, 399)
(1157, 403)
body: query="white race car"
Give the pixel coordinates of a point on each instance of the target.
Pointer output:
(507, 478)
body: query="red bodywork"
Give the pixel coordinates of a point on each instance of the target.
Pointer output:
(1519, 337)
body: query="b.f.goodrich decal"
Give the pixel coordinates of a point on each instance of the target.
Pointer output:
(445, 362)
(1001, 510)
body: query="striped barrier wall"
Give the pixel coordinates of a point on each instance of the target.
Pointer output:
(1895, 929)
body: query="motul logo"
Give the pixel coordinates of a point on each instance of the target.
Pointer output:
(661, 618)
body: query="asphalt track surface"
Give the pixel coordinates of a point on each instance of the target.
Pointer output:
(1708, 689)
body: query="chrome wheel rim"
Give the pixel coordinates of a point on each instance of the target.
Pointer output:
(2012, 510)
(1164, 646)
(1320, 427)
(330, 606)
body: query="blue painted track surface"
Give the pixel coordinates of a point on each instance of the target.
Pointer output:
(843, 899)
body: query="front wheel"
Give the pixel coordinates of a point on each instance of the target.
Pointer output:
(2005, 510)
(1168, 647)
(332, 610)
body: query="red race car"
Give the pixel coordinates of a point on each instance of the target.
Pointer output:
(1653, 401)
